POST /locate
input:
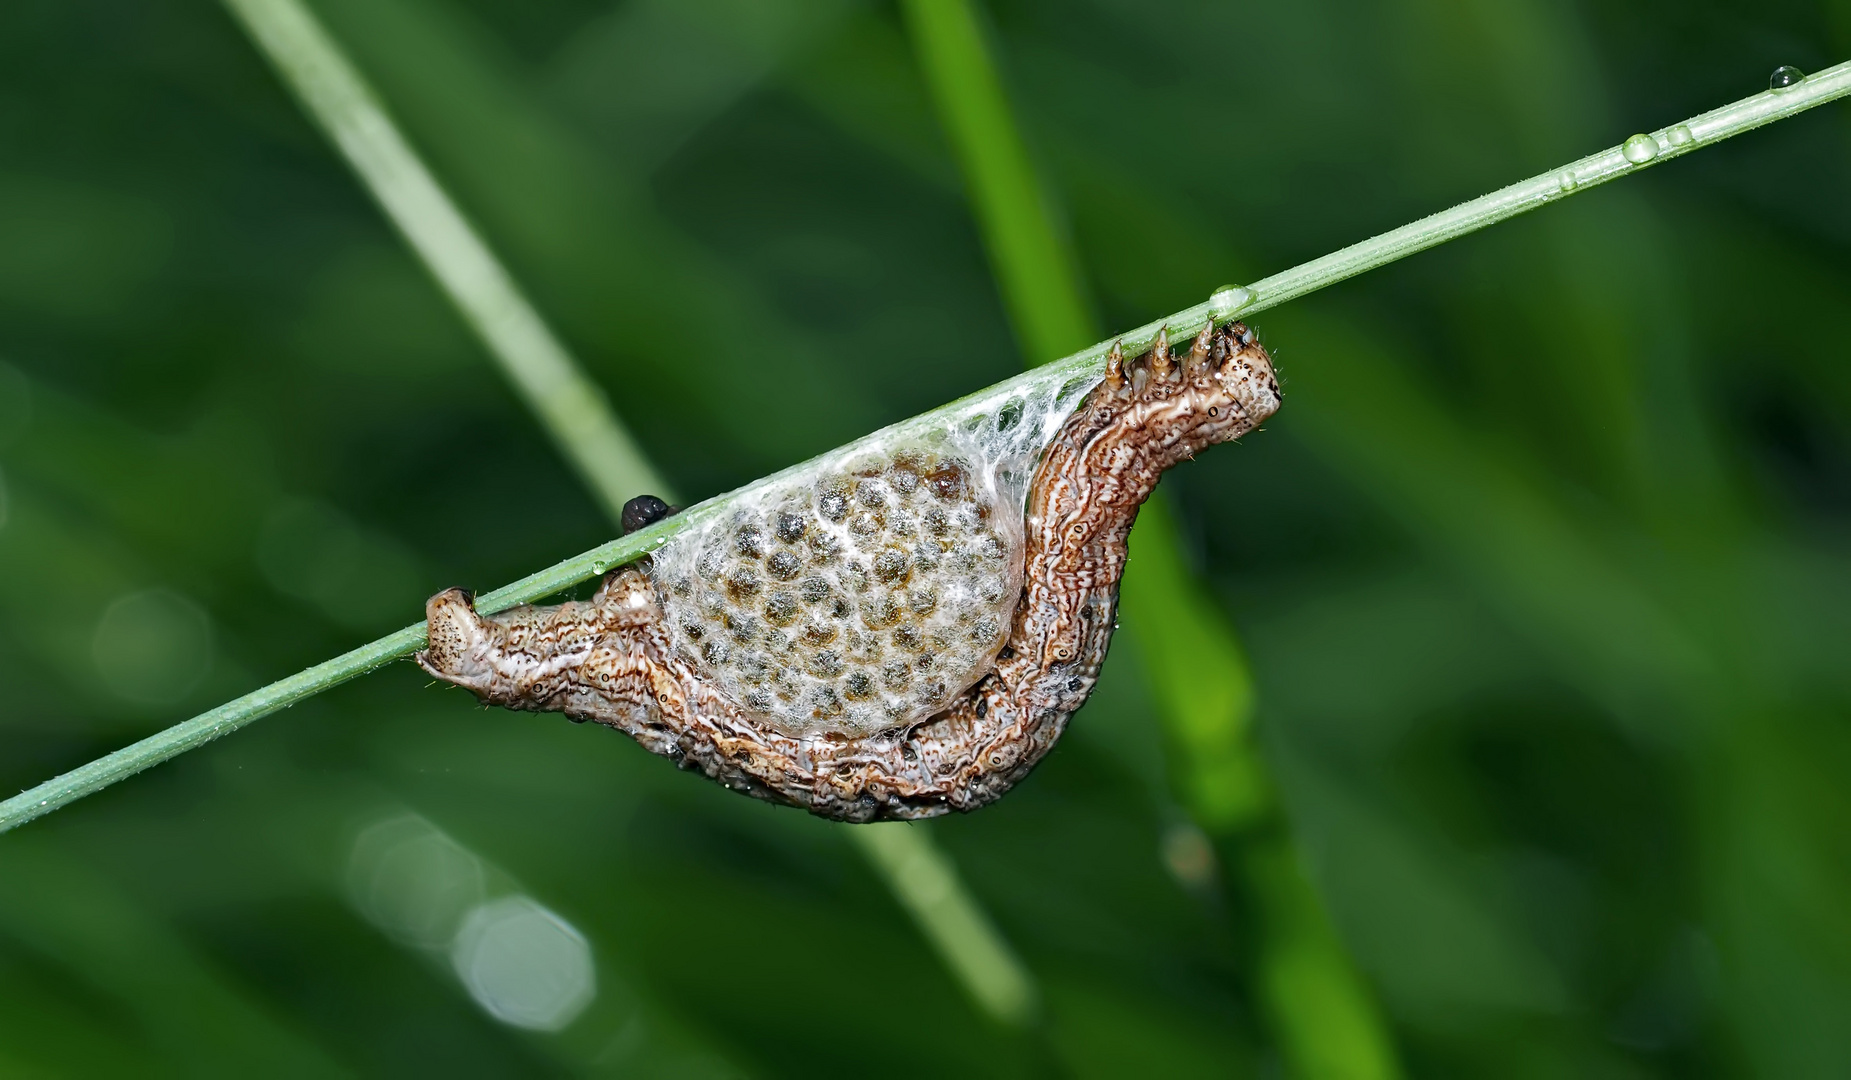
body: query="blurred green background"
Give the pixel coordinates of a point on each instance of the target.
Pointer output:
(1544, 570)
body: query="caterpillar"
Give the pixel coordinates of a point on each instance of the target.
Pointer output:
(898, 642)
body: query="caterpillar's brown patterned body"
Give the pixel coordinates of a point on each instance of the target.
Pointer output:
(614, 659)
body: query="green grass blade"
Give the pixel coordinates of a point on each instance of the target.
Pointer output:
(1207, 700)
(1028, 254)
(927, 883)
(207, 726)
(571, 407)
(1323, 1014)
(1759, 109)
(577, 415)
(1636, 154)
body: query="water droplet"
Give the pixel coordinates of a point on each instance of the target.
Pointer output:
(1566, 181)
(1681, 135)
(1229, 299)
(1784, 77)
(1640, 149)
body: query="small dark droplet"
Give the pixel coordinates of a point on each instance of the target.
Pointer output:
(904, 478)
(1784, 76)
(891, 565)
(749, 540)
(1007, 653)
(1073, 684)
(642, 512)
(865, 526)
(825, 704)
(741, 584)
(983, 707)
(832, 499)
(783, 565)
(578, 719)
(871, 493)
(824, 547)
(782, 609)
(881, 612)
(949, 481)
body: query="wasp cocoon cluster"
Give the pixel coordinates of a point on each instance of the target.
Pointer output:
(896, 631)
(863, 602)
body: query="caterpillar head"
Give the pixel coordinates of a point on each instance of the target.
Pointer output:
(1244, 371)
(1220, 389)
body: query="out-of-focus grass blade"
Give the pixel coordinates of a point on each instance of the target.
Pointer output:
(185, 1007)
(1212, 703)
(1322, 1012)
(1617, 639)
(572, 409)
(569, 405)
(1199, 677)
(927, 882)
(1714, 126)
(1028, 254)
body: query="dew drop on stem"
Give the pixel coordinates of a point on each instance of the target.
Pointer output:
(1785, 77)
(1229, 299)
(1640, 149)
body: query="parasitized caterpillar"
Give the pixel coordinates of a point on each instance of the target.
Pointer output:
(904, 636)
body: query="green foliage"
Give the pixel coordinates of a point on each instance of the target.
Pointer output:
(1543, 568)
(1325, 1024)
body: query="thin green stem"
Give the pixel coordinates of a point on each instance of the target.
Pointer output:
(927, 883)
(1321, 1011)
(207, 726)
(1028, 253)
(570, 406)
(1752, 112)
(1637, 153)
(1201, 682)
(1630, 157)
